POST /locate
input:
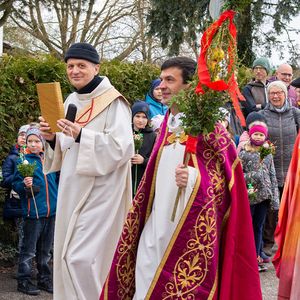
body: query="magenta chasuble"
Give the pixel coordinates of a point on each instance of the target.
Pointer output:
(211, 254)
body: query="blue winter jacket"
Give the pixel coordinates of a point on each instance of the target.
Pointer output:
(45, 198)
(155, 108)
(8, 167)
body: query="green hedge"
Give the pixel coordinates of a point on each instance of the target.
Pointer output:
(18, 98)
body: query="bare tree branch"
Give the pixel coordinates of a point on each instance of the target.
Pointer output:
(117, 28)
(5, 7)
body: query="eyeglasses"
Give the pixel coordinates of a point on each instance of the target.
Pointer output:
(287, 74)
(279, 93)
(258, 68)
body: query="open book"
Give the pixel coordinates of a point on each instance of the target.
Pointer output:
(51, 103)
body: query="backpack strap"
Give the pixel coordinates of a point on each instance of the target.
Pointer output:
(295, 118)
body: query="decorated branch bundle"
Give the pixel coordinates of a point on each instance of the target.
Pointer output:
(212, 86)
(215, 82)
(26, 169)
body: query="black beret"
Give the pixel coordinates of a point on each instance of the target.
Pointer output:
(83, 51)
(296, 83)
(255, 116)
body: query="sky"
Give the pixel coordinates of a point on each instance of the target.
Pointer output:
(275, 58)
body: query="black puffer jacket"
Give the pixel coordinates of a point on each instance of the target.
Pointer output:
(149, 137)
(283, 128)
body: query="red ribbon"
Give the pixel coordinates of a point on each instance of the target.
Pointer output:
(191, 144)
(203, 72)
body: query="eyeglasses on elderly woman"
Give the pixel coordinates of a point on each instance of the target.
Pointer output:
(278, 93)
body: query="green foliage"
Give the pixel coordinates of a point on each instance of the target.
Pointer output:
(7, 254)
(266, 149)
(179, 21)
(244, 75)
(201, 110)
(236, 5)
(26, 169)
(131, 79)
(18, 97)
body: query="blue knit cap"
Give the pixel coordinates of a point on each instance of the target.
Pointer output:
(155, 83)
(140, 106)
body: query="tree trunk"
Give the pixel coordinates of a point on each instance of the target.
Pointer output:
(244, 37)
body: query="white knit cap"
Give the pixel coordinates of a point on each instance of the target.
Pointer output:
(23, 128)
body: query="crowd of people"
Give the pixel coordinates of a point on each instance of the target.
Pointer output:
(128, 216)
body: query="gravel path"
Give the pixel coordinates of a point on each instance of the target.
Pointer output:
(8, 286)
(269, 283)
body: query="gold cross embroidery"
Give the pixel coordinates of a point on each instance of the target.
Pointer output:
(174, 137)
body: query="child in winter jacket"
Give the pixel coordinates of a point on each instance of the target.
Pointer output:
(254, 118)
(153, 98)
(12, 206)
(38, 194)
(140, 120)
(261, 182)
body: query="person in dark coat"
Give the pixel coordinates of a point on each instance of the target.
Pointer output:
(140, 125)
(255, 91)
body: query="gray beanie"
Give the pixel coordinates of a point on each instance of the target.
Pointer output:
(35, 131)
(263, 62)
(83, 51)
(280, 84)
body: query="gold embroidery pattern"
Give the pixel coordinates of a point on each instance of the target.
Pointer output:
(127, 247)
(191, 269)
(127, 251)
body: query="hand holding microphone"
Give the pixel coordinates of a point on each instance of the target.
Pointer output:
(67, 125)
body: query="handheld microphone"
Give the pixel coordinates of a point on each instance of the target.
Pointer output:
(71, 112)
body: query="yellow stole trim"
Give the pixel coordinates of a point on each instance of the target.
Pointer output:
(106, 288)
(177, 230)
(152, 189)
(224, 222)
(231, 183)
(100, 103)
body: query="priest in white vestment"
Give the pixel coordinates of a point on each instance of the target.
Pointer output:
(160, 227)
(93, 155)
